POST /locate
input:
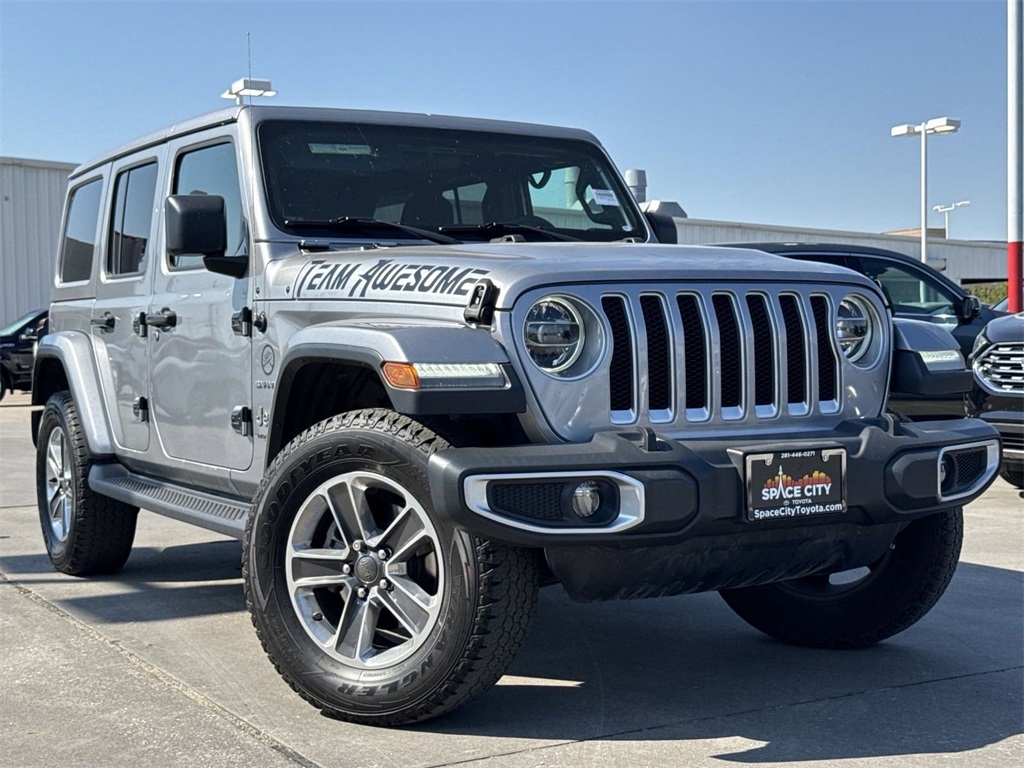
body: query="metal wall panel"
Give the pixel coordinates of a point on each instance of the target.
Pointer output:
(31, 204)
(960, 260)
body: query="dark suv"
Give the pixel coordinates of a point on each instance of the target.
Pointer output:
(17, 347)
(916, 292)
(998, 395)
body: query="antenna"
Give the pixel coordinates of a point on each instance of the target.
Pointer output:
(248, 59)
(248, 86)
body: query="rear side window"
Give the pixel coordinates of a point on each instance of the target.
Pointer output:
(212, 171)
(79, 242)
(134, 192)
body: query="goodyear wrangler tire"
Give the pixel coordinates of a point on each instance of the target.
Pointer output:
(84, 533)
(368, 605)
(846, 612)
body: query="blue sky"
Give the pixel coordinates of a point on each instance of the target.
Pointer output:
(766, 112)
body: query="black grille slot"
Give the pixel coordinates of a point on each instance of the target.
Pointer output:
(620, 380)
(541, 501)
(729, 345)
(796, 355)
(659, 372)
(826, 357)
(969, 466)
(764, 350)
(695, 352)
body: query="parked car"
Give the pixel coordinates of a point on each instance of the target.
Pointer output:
(998, 396)
(915, 292)
(18, 342)
(421, 364)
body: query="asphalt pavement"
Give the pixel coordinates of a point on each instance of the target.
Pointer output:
(159, 666)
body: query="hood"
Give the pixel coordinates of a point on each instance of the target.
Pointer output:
(1008, 328)
(447, 274)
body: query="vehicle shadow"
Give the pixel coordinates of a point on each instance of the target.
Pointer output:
(687, 669)
(677, 669)
(156, 584)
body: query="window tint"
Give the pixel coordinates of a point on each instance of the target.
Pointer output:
(134, 193)
(80, 232)
(911, 292)
(212, 171)
(467, 202)
(433, 178)
(907, 286)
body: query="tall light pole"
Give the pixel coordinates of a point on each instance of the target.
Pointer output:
(935, 125)
(947, 208)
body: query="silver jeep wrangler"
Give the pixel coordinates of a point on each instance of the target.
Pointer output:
(424, 365)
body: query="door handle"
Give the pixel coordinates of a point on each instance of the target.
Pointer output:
(105, 323)
(165, 318)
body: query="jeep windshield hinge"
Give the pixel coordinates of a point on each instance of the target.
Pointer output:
(482, 298)
(241, 322)
(241, 420)
(141, 409)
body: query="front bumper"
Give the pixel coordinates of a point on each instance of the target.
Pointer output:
(670, 490)
(681, 523)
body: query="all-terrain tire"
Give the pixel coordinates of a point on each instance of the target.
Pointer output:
(896, 592)
(85, 533)
(302, 531)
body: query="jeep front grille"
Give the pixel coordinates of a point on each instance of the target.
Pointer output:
(699, 356)
(1001, 367)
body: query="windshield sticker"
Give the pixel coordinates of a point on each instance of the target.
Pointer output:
(340, 149)
(605, 197)
(354, 280)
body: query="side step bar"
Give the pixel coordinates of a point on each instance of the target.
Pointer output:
(216, 513)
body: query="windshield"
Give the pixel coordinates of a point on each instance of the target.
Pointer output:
(441, 180)
(9, 330)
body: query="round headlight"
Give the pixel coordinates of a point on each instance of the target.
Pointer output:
(854, 327)
(554, 334)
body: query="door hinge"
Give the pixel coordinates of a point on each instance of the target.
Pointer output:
(241, 420)
(139, 325)
(241, 322)
(141, 409)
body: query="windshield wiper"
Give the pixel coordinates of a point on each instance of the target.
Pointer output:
(348, 223)
(506, 228)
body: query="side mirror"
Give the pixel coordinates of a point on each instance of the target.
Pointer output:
(970, 307)
(196, 224)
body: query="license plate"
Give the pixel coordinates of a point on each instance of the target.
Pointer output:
(793, 484)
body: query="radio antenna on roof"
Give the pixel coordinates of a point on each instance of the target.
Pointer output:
(248, 86)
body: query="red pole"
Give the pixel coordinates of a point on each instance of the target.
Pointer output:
(1014, 157)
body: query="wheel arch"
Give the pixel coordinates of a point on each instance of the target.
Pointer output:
(65, 361)
(329, 370)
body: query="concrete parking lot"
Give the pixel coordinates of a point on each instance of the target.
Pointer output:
(159, 665)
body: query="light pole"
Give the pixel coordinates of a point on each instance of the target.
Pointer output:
(935, 125)
(945, 209)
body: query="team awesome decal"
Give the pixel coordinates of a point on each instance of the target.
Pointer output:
(327, 279)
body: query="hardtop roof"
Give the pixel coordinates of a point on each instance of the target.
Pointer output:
(260, 113)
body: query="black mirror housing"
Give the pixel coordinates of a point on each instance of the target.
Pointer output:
(970, 307)
(195, 224)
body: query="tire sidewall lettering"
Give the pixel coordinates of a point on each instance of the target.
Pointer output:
(299, 475)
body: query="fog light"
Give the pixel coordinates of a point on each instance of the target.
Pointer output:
(586, 499)
(947, 473)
